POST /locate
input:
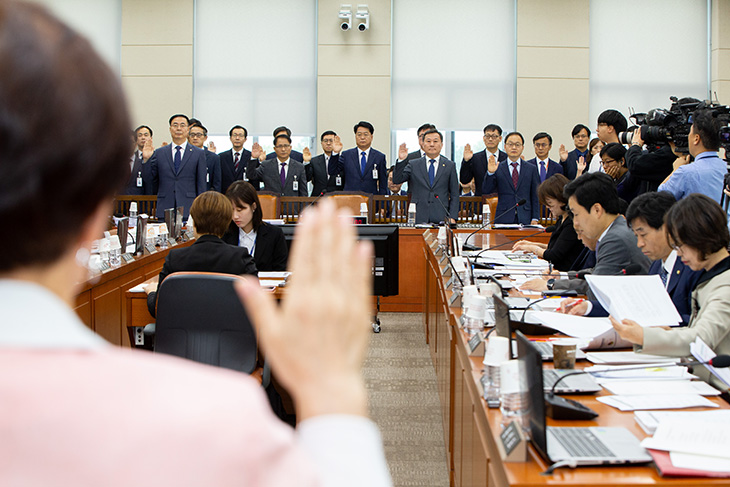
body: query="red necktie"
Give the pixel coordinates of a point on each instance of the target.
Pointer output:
(515, 174)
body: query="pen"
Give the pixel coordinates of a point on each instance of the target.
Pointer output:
(574, 303)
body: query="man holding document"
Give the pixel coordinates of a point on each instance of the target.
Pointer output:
(697, 230)
(646, 218)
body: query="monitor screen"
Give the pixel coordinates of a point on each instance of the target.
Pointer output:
(502, 321)
(531, 369)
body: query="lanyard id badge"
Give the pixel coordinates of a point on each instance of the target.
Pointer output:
(338, 180)
(139, 179)
(295, 184)
(375, 173)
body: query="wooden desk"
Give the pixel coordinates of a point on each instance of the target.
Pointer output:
(471, 429)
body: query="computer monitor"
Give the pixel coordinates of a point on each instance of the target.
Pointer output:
(385, 243)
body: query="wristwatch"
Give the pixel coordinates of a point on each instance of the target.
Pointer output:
(550, 283)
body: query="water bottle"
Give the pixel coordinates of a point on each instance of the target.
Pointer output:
(133, 214)
(512, 394)
(104, 247)
(461, 265)
(364, 209)
(486, 216)
(477, 311)
(115, 252)
(411, 215)
(496, 352)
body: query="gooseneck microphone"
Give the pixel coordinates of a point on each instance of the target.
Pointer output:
(447, 216)
(509, 242)
(472, 247)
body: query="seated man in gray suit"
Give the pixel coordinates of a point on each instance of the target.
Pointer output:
(281, 174)
(594, 203)
(430, 178)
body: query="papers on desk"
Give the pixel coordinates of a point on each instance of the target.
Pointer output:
(649, 420)
(656, 401)
(658, 371)
(510, 259)
(659, 387)
(139, 288)
(574, 326)
(703, 353)
(626, 358)
(282, 275)
(643, 299)
(698, 437)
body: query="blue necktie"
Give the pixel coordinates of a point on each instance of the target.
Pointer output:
(363, 163)
(663, 274)
(543, 172)
(178, 158)
(431, 171)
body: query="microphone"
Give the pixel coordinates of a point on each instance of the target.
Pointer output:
(472, 247)
(551, 228)
(508, 242)
(316, 199)
(631, 269)
(447, 218)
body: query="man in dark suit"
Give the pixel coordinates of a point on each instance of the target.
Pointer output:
(513, 180)
(317, 167)
(235, 160)
(178, 170)
(282, 174)
(197, 136)
(296, 155)
(546, 167)
(417, 154)
(430, 178)
(364, 168)
(474, 166)
(569, 160)
(140, 177)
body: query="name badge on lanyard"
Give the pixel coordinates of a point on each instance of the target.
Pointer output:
(375, 173)
(338, 180)
(207, 177)
(139, 179)
(295, 184)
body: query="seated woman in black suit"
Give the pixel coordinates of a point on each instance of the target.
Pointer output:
(564, 246)
(211, 213)
(264, 241)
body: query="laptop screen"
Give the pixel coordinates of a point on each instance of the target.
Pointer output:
(531, 366)
(501, 321)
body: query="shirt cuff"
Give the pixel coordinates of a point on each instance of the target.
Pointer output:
(589, 307)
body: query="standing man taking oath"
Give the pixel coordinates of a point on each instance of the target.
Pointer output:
(417, 154)
(569, 160)
(235, 160)
(474, 166)
(513, 180)
(197, 136)
(178, 169)
(296, 155)
(546, 167)
(281, 175)
(140, 177)
(317, 167)
(364, 168)
(430, 178)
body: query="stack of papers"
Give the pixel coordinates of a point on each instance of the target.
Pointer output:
(656, 401)
(661, 387)
(625, 358)
(649, 420)
(512, 260)
(656, 371)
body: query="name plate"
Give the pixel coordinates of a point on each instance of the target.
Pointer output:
(150, 247)
(127, 258)
(477, 344)
(171, 242)
(450, 282)
(446, 271)
(512, 444)
(443, 257)
(455, 300)
(104, 266)
(189, 234)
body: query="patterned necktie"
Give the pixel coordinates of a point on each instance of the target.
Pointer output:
(431, 171)
(282, 175)
(543, 172)
(664, 275)
(178, 158)
(515, 174)
(363, 163)
(235, 161)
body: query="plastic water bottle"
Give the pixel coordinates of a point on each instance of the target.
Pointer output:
(496, 352)
(115, 252)
(513, 394)
(363, 209)
(477, 311)
(133, 214)
(487, 216)
(411, 215)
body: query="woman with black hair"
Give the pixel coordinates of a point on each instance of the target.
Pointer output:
(613, 158)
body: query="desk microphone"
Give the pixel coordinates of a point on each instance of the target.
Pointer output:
(472, 247)
(447, 218)
(509, 242)
(629, 270)
(562, 408)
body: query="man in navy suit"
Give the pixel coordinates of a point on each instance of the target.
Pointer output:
(235, 160)
(546, 167)
(513, 180)
(646, 218)
(317, 167)
(364, 168)
(140, 177)
(178, 169)
(296, 155)
(569, 160)
(474, 166)
(197, 136)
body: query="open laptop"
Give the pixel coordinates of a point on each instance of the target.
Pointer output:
(571, 445)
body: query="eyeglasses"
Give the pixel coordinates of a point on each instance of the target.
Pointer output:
(283, 146)
(492, 136)
(195, 135)
(541, 146)
(515, 145)
(678, 247)
(608, 162)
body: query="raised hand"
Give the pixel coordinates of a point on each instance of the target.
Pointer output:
(402, 152)
(563, 153)
(581, 166)
(337, 144)
(211, 147)
(492, 164)
(468, 154)
(257, 151)
(147, 150)
(306, 155)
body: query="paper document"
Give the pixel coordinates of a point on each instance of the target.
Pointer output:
(709, 438)
(650, 420)
(574, 326)
(620, 358)
(663, 370)
(510, 259)
(656, 401)
(139, 288)
(640, 298)
(275, 275)
(699, 462)
(703, 353)
(639, 387)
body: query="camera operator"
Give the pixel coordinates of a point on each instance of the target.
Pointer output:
(706, 174)
(650, 168)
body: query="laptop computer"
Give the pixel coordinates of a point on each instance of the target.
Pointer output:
(572, 446)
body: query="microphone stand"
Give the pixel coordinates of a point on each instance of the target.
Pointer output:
(467, 246)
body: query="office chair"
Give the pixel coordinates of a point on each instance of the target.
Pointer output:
(201, 318)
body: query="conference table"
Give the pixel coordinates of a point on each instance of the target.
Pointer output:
(471, 429)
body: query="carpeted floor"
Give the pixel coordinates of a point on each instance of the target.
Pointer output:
(404, 402)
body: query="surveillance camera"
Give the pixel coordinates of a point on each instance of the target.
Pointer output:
(345, 26)
(362, 27)
(345, 17)
(363, 15)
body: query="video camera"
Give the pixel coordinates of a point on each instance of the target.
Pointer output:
(659, 126)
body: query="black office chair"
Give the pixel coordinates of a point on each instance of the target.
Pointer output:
(201, 318)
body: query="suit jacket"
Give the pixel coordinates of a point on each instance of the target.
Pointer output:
(271, 251)
(213, 162)
(348, 163)
(412, 156)
(682, 281)
(228, 171)
(570, 165)
(552, 168)
(445, 187)
(650, 168)
(564, 247)
(296, 155)
(322, 182)
(269, 171)
(208, 254)
(617, 250)
(476, 168)
(181, 188)
(140, 170)
(501, 183)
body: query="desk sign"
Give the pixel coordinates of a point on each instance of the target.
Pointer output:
(443, 257)
(513, 446)
(450, 282)
(455, 300)
(189, 233)
(426, 232)
(150, 247)
(446, 271)
(171, 242)
(104, 266)
(434, 244)
(476, 345)
(127, 258)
